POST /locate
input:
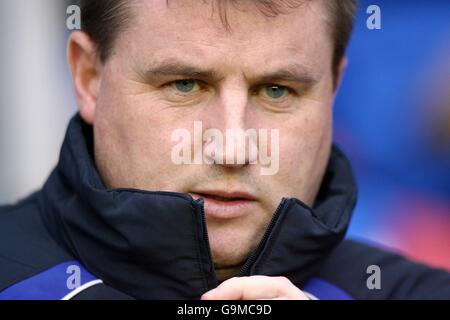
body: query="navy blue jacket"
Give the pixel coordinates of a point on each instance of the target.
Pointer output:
(75, 239)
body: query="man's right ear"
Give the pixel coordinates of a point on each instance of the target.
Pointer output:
(84, 67)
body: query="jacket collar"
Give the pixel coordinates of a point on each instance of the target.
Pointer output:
(154, 245)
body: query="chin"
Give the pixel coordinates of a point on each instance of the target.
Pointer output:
(230, 253)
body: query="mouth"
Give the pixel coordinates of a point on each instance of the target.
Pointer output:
(225, 205)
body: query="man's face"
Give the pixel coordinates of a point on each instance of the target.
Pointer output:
(264, 73)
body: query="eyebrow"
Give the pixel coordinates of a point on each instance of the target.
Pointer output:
(182, 70)
(291, 73)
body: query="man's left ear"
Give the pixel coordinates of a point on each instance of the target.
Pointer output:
(340, 73)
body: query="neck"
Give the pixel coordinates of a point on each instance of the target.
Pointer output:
(224, 274)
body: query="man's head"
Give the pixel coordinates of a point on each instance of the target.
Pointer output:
(146, 68)
(104, 19)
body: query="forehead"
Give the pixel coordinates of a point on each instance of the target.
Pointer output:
(195, 29)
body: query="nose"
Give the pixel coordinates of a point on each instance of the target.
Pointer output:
(228, 131)
(235, 148)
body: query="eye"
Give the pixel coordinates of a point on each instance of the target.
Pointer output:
(274, 91)
(185, 86)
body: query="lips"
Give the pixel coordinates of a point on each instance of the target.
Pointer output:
(226, 205)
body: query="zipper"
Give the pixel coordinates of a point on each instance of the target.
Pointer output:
(211, 272)
(245, 271)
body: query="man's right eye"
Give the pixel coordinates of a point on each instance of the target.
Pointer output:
(186, 85)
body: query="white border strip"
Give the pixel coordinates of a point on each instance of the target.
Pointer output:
(310, 296)
(85, 286)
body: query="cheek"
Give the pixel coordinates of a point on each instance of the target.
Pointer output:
(147, 133)
(138, 122)
(304, 141)
(133, 140)
(304, 134)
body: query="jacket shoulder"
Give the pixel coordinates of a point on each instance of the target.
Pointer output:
(26, 247)
(352, 267)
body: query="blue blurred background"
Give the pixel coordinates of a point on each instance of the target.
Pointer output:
(392, 116)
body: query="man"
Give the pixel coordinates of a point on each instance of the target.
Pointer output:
(122, 217)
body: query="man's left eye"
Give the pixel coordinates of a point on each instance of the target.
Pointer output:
(185, 86)
(275, 91)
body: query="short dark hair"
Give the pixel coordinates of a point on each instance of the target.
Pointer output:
(102, 20)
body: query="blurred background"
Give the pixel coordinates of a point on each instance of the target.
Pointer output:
(392, 116)
(36, 99)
